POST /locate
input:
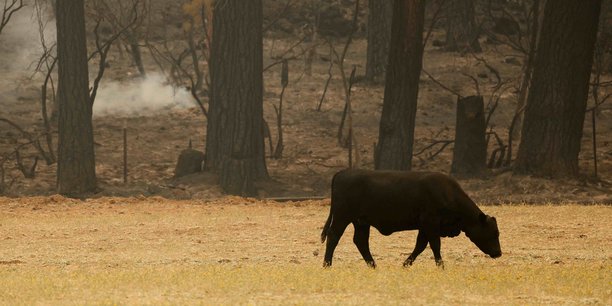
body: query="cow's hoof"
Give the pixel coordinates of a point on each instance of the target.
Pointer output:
(440, 264)
(372, 264)
(326, 264)
(408, 262)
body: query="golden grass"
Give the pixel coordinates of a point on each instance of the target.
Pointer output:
(154, 251)
(306, 284)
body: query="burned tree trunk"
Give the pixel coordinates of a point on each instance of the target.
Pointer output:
(461, 29)
(76, 171)
(470, 153)
(135, 51)
(527, 67)
(234, 140)
(396, 131)
(379, 36)
(557, 99)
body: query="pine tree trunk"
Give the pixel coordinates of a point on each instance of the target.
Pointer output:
(379, 36)
(235, 143)
(396, 131)
(461, 29)
(557, 99)
(76, 173)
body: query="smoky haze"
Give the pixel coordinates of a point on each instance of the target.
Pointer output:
(139, 97)
(21, 47)
(20, 40)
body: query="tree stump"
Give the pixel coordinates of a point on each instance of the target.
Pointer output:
(189, 161)
(470, 153)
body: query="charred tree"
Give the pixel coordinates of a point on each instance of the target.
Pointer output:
(461, 29)
(189, 162)
(135, 51)
(557, 98)
(76, 172)
(528, 66)
(470, 152)
(379, 35)
(396, 131)
(235, 142)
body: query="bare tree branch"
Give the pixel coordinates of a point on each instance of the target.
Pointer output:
(103, 48)
(10, 8)
(442, 85)
(280, 15)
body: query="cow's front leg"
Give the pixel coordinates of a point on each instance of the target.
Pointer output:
(434, 243)
(421, 244)
(361, 240)
(333, 236)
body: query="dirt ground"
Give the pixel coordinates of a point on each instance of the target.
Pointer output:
(312, 154)
(232, 250)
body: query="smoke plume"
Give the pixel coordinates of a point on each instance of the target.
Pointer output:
(139, 97)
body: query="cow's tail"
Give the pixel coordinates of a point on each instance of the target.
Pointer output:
(330, 218)
(326, 226)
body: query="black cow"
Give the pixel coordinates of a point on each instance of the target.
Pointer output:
(392, 201)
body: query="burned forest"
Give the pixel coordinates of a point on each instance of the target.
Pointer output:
(182, 124)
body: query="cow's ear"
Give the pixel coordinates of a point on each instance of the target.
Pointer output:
(482, 218)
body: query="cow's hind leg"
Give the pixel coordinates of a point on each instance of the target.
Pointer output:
(333, 236)
(421, 244)
(361, 240)
(434, 243)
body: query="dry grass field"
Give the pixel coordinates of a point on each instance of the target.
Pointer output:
(240, 251)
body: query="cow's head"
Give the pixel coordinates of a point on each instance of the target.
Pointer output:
(485, 235)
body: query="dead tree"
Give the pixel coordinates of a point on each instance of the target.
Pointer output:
(76, 172)
(556, 104)
(234, 139)
(126, 17)
(470, 153)
(185, 58)
(189, 162)
(24, 140)
(347, 84)
(528, 66)
(10, 7)
(461, 29)
(311, 34)
(379, 35)
(597, 85)
(396, 131)
(516, 26)
(278, 152)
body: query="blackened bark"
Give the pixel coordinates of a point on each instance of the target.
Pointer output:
(470, 152)
(557, 99)
(396, 131)
(461, 28)
(527, 68)
(234, 140)
(379, 35)
(76, 173)
(135, 51)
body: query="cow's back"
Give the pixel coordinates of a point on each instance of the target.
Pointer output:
(388, 200)
(398, 200)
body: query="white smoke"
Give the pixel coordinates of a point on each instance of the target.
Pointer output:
(21, 48)
(20, 40)
(139, 97)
